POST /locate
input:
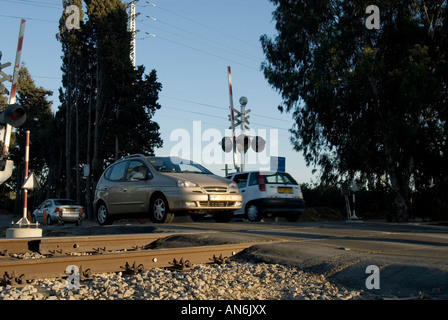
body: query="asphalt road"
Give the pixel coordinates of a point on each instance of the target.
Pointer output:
(412, 258)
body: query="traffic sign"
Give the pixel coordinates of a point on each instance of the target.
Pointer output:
(31, 182)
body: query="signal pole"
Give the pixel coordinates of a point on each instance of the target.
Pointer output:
(232, 117)
(243, 102)
(238, 118)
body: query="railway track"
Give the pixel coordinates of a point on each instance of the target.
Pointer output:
(100, 254)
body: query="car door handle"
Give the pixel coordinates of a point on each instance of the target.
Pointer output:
(125, 189)
(243, 190)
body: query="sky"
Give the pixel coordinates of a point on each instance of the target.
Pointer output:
(191, 44)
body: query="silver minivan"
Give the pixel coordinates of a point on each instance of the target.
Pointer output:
(269, 194)
(160, 187)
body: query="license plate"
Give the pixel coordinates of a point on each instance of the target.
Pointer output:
(284, 190)
(219, 197)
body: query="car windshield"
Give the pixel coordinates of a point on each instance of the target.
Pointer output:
(64, 202)
(177, 165)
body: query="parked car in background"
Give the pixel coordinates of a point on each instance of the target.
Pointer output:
(269, 194)
(161, 187)
(58, 211)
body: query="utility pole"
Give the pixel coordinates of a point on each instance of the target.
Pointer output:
(132, 30)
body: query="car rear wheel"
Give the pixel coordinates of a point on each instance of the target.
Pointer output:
(103, 216)
(253, 212)
(160, 212)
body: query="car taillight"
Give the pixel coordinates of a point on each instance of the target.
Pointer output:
(261, 182)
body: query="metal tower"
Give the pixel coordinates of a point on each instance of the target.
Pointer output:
(131, 28)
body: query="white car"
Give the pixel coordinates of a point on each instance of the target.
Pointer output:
(269, 194)
(58, 211)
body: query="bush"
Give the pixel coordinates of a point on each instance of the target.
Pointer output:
(6, 205)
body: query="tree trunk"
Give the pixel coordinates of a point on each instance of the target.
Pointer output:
(78, 182)
(67, 131)
(400, 179)
(88, 178)
(402, 198)
(99, 115)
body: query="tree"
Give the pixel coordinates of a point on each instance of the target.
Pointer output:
(126, 99)
(71, 40)
(367, 103)
(107, 105)
(40, 124)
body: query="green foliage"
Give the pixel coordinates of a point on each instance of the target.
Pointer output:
(107, 104)
(107, 107)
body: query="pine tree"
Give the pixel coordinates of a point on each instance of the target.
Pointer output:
(107, 104)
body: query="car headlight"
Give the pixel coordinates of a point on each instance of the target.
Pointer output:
(186, 184)
(233, 185)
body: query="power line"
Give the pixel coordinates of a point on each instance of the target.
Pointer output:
(46, 77)
(15, 17)
(199, 50)
(203, 25)
(221, 46)
(221, 108)
(34, 3)
(218, 117)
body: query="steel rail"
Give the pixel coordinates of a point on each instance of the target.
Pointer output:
(76, 244)
(56, 266)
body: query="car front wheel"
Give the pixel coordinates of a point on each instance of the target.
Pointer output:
(159, 211)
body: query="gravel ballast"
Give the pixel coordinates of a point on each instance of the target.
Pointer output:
(236, 280)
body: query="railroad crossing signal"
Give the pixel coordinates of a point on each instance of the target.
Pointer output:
(14, 115)
(258, 144)
(240, 117)
(226, 144)
(237, 116)
(242, 143)
(245, 119)
(4, 77)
